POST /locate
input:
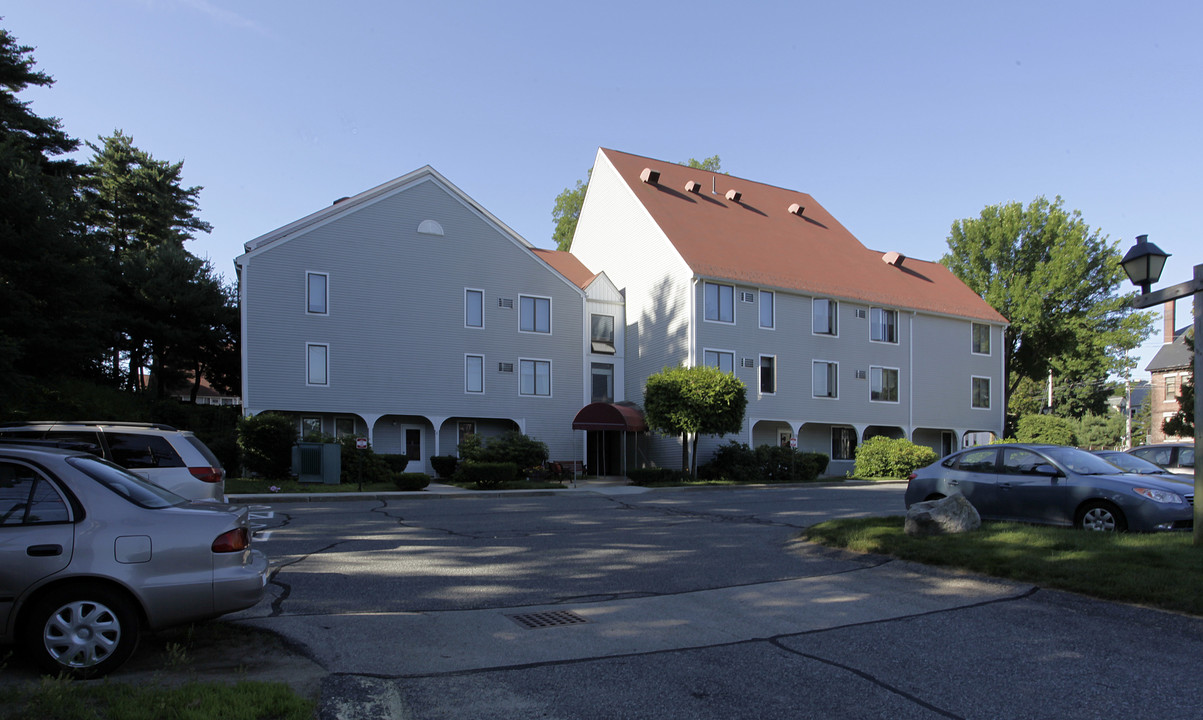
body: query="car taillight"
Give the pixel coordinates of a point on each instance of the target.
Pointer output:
(207, 474)
(235, 540)
(912, 476)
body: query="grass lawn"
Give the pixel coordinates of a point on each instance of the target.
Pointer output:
(1158, 570)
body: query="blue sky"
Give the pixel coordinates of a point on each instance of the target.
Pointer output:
(899, 118)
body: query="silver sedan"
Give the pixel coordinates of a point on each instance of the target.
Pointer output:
(1055, 485)
(91, 554)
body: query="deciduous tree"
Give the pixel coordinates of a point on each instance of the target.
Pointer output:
(1057, 281)
(694, 401)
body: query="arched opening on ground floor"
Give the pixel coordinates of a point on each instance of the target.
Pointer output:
(612, 432)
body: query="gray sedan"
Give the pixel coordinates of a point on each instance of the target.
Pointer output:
(90, 554)
(1055, 485)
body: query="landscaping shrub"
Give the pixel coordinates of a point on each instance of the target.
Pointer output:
(362, 466)
(486, 474)
(444, 465)
(396, 463)
(512, 447)
(266, 442)
(410, 482)
(737, 462)
(891, 457)
(1045, 429)
(652, 475)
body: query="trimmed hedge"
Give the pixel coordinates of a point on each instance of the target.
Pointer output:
(891, 457)
(737, 462)
(411, 481)
(486, 474)
(396, 463)
(652, 475)
(444, 465)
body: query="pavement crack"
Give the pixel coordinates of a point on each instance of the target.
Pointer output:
(776, 642)
(285, 588)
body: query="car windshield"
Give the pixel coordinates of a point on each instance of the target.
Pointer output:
(124, 483)
(1079, 461)
(1133, 464)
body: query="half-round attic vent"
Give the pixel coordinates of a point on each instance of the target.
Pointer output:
(430, 227)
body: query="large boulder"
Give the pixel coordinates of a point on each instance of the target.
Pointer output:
(946, 516)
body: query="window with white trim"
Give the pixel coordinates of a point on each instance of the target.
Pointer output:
(981, 339)
(601, 334)
(311, 427)
(344, 427)
(474, 373)
(825, 315)
(317, 293)
(1171, 387)
(883, 384)
(317, 364)
(534, 377)
(883, 325)
(535, 314)
(981, 393)
(767, 308)
(768, 374)
(721, 359)
(826, 379)
(603, 382)
(720, 303)
(474, 308)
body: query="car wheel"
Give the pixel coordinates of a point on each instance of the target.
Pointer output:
(1101, 517)
(85, 631)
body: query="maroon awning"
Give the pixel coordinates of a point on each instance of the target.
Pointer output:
(610, 416)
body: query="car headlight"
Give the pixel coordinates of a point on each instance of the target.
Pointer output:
(1161, 496)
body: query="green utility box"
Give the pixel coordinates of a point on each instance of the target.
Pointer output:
(317, 462)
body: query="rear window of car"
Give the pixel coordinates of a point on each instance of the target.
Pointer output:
(124, 483)
(203, 450)
(130, 450)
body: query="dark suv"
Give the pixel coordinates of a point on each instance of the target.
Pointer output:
(173, 459)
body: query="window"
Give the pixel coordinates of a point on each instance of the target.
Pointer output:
(981, 339)
(603, 382)
(843, 443)
(466, 429)
(826, 379)
(883, 384)
(1017, 461)
(983, 460)
(474, 308)
(720, 359)
(883, 325)
(344, 427)
(601, 333)
(317, 361)
(534, 377)
(132, 451)
(766, 309)
(26, 498)
(311, 427)
(474, 373)
(720, 303)
(317, 291)
(981, 393)
(535, 314)
(768, 374)
(825, 316)
(1171, 387)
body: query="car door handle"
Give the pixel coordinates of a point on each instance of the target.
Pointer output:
(44, 550)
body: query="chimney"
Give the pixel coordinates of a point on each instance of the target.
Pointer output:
(1168, 312)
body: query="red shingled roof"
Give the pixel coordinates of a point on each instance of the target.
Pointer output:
(758, 241)
(567, 265)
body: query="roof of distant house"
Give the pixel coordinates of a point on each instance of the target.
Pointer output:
(1172, 356)
(730, 228)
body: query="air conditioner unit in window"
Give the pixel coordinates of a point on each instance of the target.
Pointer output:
(861, 375)
(507, 303)
(747, 362)
(747, 296)
(860, 313)
(505, 367)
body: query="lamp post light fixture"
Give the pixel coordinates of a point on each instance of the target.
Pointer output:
(1143, 264)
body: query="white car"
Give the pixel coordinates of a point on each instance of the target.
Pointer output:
(173, 459)
(1178, 458)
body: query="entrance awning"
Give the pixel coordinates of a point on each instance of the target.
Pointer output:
(610, 416)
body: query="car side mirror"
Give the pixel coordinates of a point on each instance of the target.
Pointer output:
(1046, 470)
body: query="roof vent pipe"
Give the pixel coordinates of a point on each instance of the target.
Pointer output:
(693, 187)
(650, 176)
(796, 209)
(734, 195)
(893, 258)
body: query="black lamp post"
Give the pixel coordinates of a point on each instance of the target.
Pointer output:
(1143, 264)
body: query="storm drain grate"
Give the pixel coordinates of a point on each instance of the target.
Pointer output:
(554, 618)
